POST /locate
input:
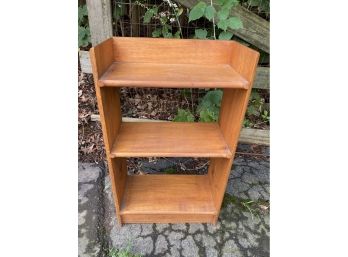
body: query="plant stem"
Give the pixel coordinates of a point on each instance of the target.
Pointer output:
(211, 3)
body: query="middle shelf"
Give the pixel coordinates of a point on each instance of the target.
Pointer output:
(170, 139)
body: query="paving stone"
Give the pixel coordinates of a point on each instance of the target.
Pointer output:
(161, 244)
(195, 227)
(250, 178)
(174, 252)
(198, 237)
(180, 226)
(237, 187)
(247, 240)
(208, 241)
(143, 246)
(161, 227)
(122, 236)
(174, 239)
(190, 249)
(146, 229)
(212, 252)
(256, 192)
(231, 249)
(88, 173)
(82, 196)
(213, 228)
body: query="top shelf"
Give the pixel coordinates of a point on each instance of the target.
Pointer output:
(132, 74)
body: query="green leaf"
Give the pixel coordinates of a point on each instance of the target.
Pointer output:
(197, 11)
(165, 31)
(223, 14)
(229, 3)
(149, 14)
(220, 2)
(82, 12)
(119, 11)
(167, 35)
(222, 24)
(84, 36)
(157, 32)
(184, 116)
(234, 23)
(207, 116)
(225, 35)
(177, 34)
(201, 33)
(209, 12)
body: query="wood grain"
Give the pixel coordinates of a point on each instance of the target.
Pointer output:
(167, 194)
(247, 135)
(168, 218)
(170, 139)
(172, 75)
(261, 80)
(171, 51)
(110, 113)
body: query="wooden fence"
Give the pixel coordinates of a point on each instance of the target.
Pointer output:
(255, 31)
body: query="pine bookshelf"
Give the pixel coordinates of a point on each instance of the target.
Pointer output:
(167, 63)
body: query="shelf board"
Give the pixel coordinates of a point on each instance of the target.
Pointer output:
(167, 194)
(170, 139)
(172, 75)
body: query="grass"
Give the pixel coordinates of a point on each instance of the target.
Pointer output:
(122, 252)
(169, 171)
(254, 207)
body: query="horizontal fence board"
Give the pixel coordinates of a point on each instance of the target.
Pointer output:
(261, 80)
(247, 135)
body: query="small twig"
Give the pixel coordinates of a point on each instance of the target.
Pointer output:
(211, 3)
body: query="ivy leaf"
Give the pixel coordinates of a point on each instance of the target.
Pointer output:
(201, 33)
(197, 11)
(234, 23)
(223, 14)
(149, 14)
(157, 32)
(222, 24)
(225, 35)
(209, 12)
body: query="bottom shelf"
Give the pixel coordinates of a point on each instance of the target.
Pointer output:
(167, 198)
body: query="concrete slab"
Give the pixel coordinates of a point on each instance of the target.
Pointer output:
(90, 209)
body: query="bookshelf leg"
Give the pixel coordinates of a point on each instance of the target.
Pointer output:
(218, 173)
(118, 176)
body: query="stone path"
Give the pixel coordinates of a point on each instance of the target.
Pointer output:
(240, 231)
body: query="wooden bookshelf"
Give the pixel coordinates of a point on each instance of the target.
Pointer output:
(180, 63)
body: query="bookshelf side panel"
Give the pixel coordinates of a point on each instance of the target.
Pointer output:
(233, 106)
